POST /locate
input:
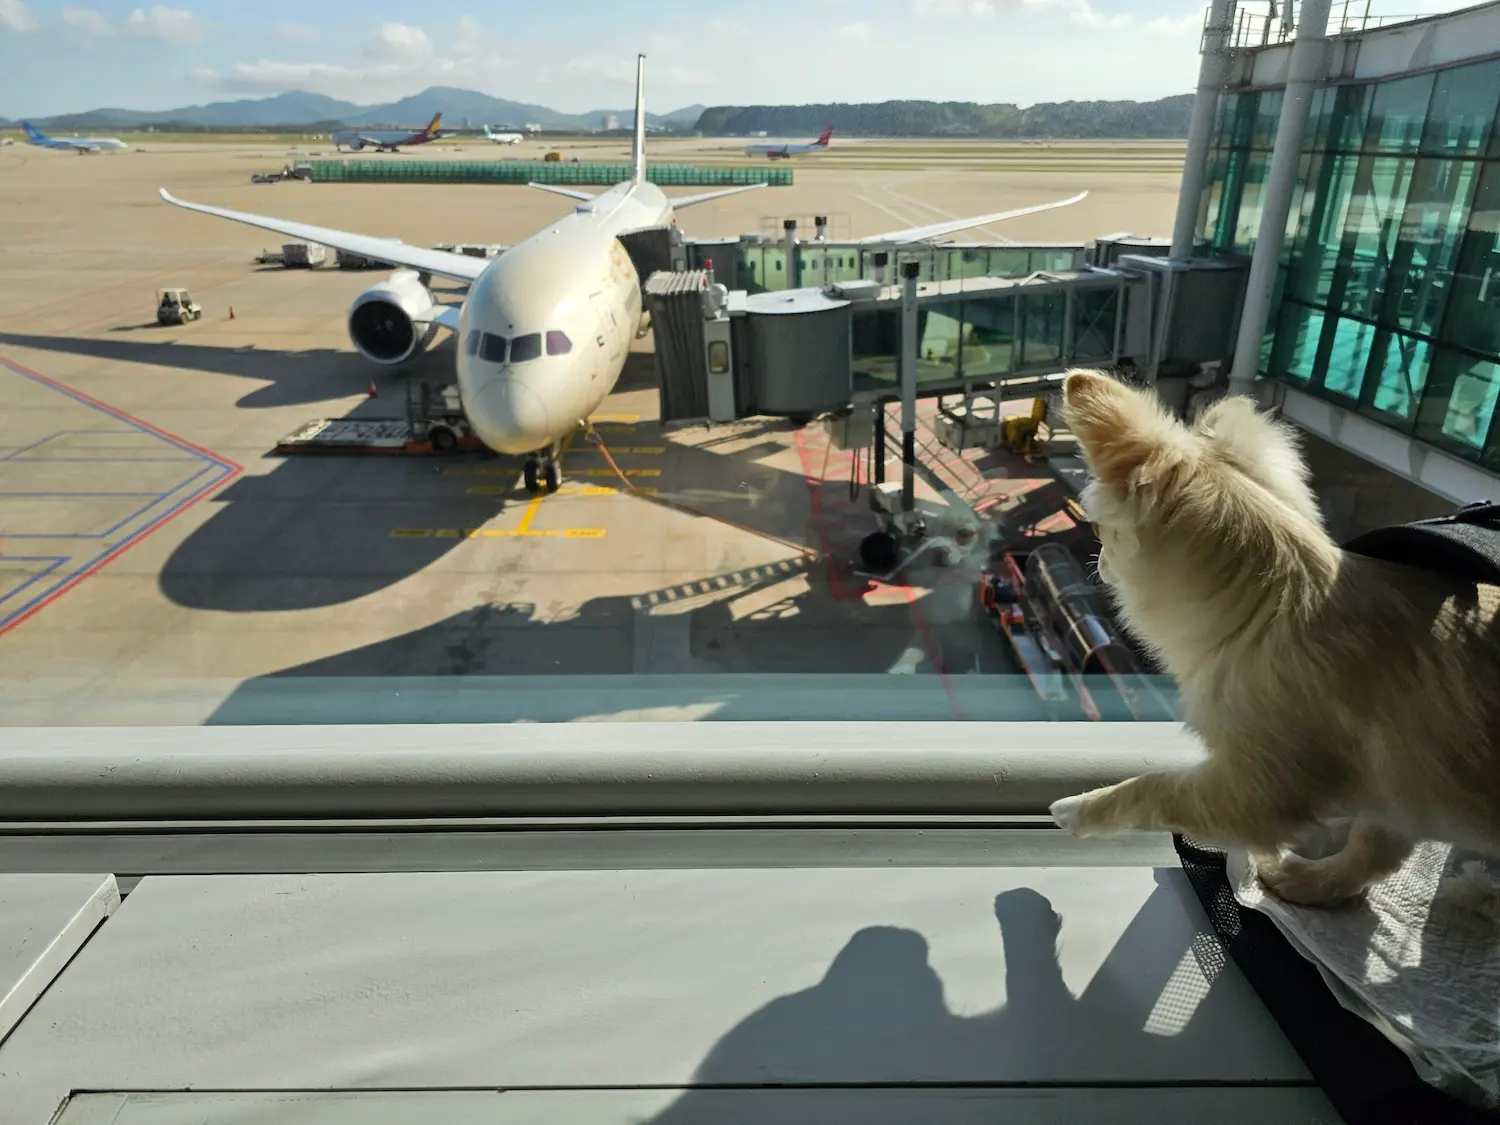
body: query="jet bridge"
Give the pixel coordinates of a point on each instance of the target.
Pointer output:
(724, 353)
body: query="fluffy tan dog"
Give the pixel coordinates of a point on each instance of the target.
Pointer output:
(1323, 684)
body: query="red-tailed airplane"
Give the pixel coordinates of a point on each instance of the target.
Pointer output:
(786, 151)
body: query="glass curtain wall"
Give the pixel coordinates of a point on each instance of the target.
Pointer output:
(1390, 278)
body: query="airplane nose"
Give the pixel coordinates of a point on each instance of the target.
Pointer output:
(510, 417)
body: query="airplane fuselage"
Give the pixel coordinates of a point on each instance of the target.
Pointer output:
(566, 303)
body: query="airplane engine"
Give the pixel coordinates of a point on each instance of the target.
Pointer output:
(393, 319)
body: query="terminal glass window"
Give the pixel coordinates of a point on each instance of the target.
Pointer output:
(1462, 110)
(1473, 314)
(1009, 263)
(1436, 207)
(1043, 316)
(1459, 408)
(1370, 232)
(1348, 353)
(989, 331)
(1398, 370)
(1398, 114)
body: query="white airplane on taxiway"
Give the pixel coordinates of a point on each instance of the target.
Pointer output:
(546, 327)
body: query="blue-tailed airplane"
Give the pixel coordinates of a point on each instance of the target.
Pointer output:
(35, 136)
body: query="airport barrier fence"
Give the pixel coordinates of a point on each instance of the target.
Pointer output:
(540, 172)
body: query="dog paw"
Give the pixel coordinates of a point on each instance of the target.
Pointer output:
(1307, 882)
(1066, 813)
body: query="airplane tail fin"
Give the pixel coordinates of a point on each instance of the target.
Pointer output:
(432, 126)
(638, 144)
(825, 137)
(32, 132)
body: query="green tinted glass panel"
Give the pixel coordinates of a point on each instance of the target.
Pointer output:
(1398, 114)
(1299, 331)
(1472, 318)
(1427, 244)
(1320, 228)
(1349, 352)
(989, 329)
(1051, 260)
(1042, 319)
(773, 267)
(1459, 406)
(1267, 116)
(1009, 263)
(1247, 218)
(1398, 370)
(1370, 233)
(1463, 107)
(1348, 114)
(1224, 117)
(1213, 196)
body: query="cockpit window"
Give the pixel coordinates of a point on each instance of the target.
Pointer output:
(471, 344)
(526, 347)
(492, 348)
(558, 343)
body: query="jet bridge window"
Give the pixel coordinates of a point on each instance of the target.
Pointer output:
(492, 348)
(526, 347)
(558, 343)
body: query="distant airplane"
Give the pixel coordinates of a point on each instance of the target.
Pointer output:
(546, 327)
(387, 140)
(787, 151)
(502, 138)
(35, 136)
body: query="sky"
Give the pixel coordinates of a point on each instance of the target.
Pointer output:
(578, 55)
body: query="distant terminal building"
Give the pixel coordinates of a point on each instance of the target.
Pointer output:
(1352, 162)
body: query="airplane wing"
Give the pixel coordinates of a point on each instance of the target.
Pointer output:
(688, 200)
(569, 192)
(441, 263)
(447, 317)
(950, 226)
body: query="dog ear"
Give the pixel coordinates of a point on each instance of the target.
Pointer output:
(1263, 449)
(1122, 430)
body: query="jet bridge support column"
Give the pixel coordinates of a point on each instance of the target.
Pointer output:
(1304, 70)
(909, 343)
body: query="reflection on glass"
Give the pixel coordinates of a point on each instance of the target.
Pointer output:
(773, 267)
(1094, 325)
(938, 353)
(492, 348)
(1299, 331)
(1347, 117)
(967, 263)
(1051, 260)
(988, 335)
(1463, 105)
(1370, 234)
(1320, 227)
(1042, 318)
(1212, 200)
(1267, 116)
(1398, 113)
(1473, 315)
(1009, 263)
(1429, 235)
(875, 336)
(1344, 369)
(1460, 402)
(1399, 367)
(526, 348)
(1247, 216)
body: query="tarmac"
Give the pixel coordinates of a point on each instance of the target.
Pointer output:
(161, 564)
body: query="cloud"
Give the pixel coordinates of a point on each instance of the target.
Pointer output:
(399, 43)
(1185, 26)
(14, 16)
(289, 32)
(158, 23)
(857, 32)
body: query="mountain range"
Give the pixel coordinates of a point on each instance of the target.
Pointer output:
(1165, 117)
(299, 108)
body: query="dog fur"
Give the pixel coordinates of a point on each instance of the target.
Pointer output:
(1321, 683)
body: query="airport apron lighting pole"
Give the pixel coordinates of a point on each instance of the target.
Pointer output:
(909, 272)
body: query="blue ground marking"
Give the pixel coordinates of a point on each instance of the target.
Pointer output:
(55, 561)
(160, 506)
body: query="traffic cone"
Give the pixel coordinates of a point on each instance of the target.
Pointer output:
(374, 392)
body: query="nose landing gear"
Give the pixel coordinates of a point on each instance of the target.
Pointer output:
(541, 468)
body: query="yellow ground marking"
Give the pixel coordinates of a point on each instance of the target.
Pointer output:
(614, 417)
(536, 501)
(497, 533)
(566, 490)
(641, 450)
(611, 472)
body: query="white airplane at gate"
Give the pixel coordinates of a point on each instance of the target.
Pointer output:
(546, 327)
